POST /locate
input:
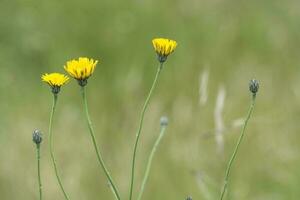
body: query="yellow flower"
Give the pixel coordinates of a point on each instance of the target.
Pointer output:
(81, 69)
(55, 80)
(163, 48)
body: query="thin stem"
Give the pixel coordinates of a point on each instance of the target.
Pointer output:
(51, 147)
(228, 170)
(100, 159)
(140, 127)
(113, 191)
(38, 156)
(146, 175)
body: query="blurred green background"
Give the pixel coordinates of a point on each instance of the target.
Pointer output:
(226, 42)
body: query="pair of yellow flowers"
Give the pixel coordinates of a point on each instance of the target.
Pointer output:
(83, 68)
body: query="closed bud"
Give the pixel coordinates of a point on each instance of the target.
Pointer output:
(37, 137)
(253, 86)
(164, 121)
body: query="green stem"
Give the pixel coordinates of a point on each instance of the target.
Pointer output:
(228, 170)
(141, 125)
(51, 147)
(100, 159)
(146, 175)
(38, 155)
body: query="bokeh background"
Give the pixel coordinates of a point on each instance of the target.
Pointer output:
(203, 90)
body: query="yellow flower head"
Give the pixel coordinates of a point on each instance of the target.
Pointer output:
(81, 69)
(163, 48)
(55, 80)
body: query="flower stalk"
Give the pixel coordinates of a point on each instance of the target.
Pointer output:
(253, 87)
(38, 156)
(55, 96)
(99, 156)
(37, 139)
(164, 123)
(154, 84)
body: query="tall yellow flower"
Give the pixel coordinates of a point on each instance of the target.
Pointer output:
(163, 47)
(81, 69)
(55, 81)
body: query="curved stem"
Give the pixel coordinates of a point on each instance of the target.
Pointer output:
(99, 157)
(140, 127)
(228, 170)
(146, 175)
(38, 155)
(51, 147)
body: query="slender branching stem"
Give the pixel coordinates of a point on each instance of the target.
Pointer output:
(140, 127)
(233, 156)
(51, 147)
(38, 156)
(99, 157)
(149, 162)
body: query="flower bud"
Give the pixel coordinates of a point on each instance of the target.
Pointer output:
(164, 121)
(253, 86)
(37, 137)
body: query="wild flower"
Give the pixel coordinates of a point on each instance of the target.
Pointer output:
(81, 69)
(163, 47)
(55, 81)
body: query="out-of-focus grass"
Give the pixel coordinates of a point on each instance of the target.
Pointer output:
(234, 40)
